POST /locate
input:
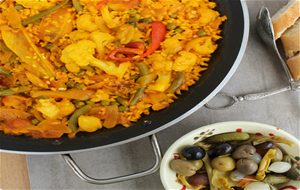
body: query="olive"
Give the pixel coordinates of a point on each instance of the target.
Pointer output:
(193, 153)
(198, 164)
(236, 175)
(199, 179)
(244, 151)
(247, 166)
(256, 157)
(278, 155)
(265, 145)
(223, 163)
(223, 149)
(183, 167)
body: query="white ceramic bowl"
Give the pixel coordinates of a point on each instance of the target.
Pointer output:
(168, 176)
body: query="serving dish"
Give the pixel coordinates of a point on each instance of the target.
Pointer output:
(222, 66)
(168, 176)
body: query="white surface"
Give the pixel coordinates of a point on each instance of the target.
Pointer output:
(260, 70)
(168, 176)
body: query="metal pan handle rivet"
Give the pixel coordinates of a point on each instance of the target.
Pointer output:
(86, 178)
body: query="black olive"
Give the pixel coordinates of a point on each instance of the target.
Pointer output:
(193, 153)
(265, 145)
(223, 149)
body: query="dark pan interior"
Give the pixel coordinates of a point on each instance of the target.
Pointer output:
(219, 66)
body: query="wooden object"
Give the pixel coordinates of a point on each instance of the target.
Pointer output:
(13, 172)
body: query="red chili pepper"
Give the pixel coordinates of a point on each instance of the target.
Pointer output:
(158, 35)
(139, 45)
(100, 4)
(3, 83)
(125, 50)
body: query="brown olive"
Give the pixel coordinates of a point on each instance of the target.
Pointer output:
(199, 179)
(246, 166)
(244, 151)
(223, 163)
(265, 145)
(183, 167)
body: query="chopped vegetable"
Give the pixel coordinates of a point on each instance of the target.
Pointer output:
(73, 122)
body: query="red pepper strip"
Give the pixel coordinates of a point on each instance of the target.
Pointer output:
(158, 35)
(124, 50)
(139, 45)
(3, 83)
(100, 4)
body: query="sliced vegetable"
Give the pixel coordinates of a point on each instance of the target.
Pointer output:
(73, 121)
(264, 165)
(70, 94)
(178, 81)
(77, 5)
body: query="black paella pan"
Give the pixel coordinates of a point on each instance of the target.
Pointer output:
(221, 67)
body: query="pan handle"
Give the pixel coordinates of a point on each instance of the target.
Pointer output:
(86, 178)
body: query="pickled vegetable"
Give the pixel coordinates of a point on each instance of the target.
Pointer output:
(183, 167)
(193, 153)
(223, 163)
(276, 179)
(247, 166)
(236, 136)
(279, 167)
(199, 179)
(244, 151)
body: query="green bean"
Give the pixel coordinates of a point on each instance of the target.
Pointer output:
(4, 71)
(35, 121)
(201, 33)
(147, 20)
(122, 101)
(64, 70)
(42, 97)
(171, 26)
(173, 15)
(73, 121)
(79, 104)
(234, 136)
(88, 68)
(143, 68)
(7, 92)
(42, 14)
(136, 96)
(19, 7)
(180, 76)
(13, 59)
(3, 46)
(78, 7)
(104, 103)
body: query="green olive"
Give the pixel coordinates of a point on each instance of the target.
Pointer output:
(223, 163)
(104, 103)
(173, 15)
(132, 12)
(79, 104)
(171, 26)
(147, 20)
(201, 33)
(197, 163)
(35, 121)
(70, 84)
(80, 73)
(183, 167)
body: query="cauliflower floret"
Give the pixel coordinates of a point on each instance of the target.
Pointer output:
(81, 54)
(101, 39)
(89, 123)
(48, 108)
(159, 63)
(87, 23)
(185, 61)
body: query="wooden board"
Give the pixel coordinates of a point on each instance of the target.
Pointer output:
(13, 172)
